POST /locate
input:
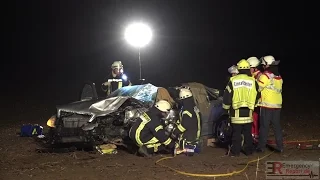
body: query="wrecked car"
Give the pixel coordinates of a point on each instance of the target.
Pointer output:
(95, 120)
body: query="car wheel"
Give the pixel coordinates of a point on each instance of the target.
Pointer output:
(220, 131)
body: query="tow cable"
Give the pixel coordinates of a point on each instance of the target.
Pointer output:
(300, 145)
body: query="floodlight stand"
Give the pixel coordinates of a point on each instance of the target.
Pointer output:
(140, 78)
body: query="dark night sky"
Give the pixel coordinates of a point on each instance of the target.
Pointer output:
(59, 44)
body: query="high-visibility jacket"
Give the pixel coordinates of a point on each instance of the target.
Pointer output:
(270, 87)
(240, 97)
(116, 82)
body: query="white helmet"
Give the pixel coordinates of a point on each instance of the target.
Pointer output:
(117, 64)
(253, 61)
(163, 105)
(233, 70)
(185, 93)
(269, 60)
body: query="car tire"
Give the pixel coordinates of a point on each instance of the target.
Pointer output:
(220, 136)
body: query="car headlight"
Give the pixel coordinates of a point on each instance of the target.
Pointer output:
(51, 121)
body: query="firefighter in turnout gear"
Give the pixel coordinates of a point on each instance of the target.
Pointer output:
(188, 130)
(270, 85)
(239, 100)
(117, 79)
(148, 131)
(254, 63)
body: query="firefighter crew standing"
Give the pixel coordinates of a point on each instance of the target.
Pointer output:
(148, 131)
(254, 63)
(270, 85)
(117, 78)
(239, 100)
(189, 128)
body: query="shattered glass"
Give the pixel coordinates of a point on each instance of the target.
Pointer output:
(146, 93)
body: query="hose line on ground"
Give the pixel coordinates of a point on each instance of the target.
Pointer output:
(234, 172)
(294, 142)
(210, 175)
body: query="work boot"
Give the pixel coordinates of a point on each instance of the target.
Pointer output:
(277, 150)
(143, 151)
(233, 155)
(248, 153)
(259, 150)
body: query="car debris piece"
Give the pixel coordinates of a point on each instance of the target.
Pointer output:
(107, 149)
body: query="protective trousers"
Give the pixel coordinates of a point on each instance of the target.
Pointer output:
(237, 130)
(267, 116)
(255, 124)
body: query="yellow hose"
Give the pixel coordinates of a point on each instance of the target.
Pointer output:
(210, 175)
(225, 174)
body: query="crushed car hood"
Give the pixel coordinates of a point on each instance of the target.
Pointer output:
(145, 94)
(95, 108)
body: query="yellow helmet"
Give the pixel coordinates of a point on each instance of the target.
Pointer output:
(243, 64)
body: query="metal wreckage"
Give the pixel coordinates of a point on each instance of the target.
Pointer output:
(94, 120)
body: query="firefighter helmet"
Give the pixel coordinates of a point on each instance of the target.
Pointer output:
(185, 93)
(253, 61)
(233, 70)
(163, 105)
(116, 64)
(269, 60)
(243, 64)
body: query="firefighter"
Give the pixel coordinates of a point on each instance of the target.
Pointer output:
(239, 100)
(254, 63)
(117, 79)
(233, 70)
(148, 131)
(270, 85)
(189, 128)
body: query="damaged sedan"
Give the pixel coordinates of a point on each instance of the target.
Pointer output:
(96, 120)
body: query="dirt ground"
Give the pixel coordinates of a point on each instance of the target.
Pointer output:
(19, 160)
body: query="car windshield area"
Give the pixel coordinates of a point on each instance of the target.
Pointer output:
(145, 93)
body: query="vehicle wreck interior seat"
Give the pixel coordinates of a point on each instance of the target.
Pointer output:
(88, 92)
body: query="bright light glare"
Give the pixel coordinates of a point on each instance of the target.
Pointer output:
(138, 35)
